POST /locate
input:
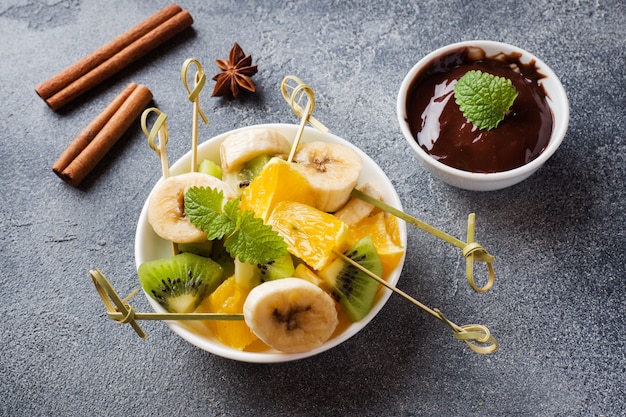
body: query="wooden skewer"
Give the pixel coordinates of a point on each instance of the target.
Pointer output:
(194, 97)
(120, 311)
(297, 94)
(467, 333)
(159, 131)
(471, 250)
(310, 105)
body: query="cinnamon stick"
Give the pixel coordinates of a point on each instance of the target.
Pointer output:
(92, 144)
(89, 133)
(112, 57)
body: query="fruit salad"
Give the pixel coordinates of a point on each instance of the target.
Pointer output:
(255, 234)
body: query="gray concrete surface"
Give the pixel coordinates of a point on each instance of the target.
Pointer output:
(558, 307)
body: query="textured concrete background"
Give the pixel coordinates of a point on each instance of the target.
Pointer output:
(558, 306)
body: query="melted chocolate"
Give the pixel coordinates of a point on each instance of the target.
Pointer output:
(439, 127)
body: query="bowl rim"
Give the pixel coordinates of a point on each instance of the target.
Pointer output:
(181, 165)
(556, 138)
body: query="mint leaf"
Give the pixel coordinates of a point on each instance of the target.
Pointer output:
(484, 99)
(203, 208)
(255, 242)
(247, 237)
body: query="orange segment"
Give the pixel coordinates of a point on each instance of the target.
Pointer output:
(278, 181)
(393, 228)
(311, 234)
(304, 272)
(385, 234)
(228, 298)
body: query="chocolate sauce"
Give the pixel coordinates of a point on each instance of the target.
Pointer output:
(439, 127)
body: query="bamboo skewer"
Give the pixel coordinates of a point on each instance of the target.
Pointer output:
(297, 93)
(194, 97)
(117, 316)
(471, 250)
(122, 312)
(468, 333)
(159, 131)
(287, 89)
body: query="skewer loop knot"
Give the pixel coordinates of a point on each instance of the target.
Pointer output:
(113, 302)
(473, 251)
(159, 129)
(129, 316)
(294, 90)
(476, 336)
(199, 82)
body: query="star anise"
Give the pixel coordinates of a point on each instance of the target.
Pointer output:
(236, 73)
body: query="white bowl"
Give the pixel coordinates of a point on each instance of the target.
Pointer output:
(557, 101)
(149, 246)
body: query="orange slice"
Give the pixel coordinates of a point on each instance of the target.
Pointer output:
(311, 234)
(278, 181)
(393, 228)
(385, 234)
(228, 298)
(304, 272)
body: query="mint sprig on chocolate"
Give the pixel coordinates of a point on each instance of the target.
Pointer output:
(484, 99)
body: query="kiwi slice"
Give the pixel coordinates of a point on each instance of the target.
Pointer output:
(210, 168)
(200, 248)
(276, 269)
(252, 168)
(181, 282)
(351, 287)
(252, 275)
(220, 255)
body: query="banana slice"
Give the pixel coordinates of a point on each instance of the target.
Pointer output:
(356, 209)
(241, 147)
(166, 211)
(290, 314)
(332, 169)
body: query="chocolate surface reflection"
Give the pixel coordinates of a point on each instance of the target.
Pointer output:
(440, 128)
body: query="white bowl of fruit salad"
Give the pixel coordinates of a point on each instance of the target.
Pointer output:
(298, 295)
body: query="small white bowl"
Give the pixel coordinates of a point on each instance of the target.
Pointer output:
(557, 101)
(149, 246)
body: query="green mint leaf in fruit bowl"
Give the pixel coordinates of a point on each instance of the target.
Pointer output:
(255, 242)
(247, 238)
(484, 99)
(203, 208)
